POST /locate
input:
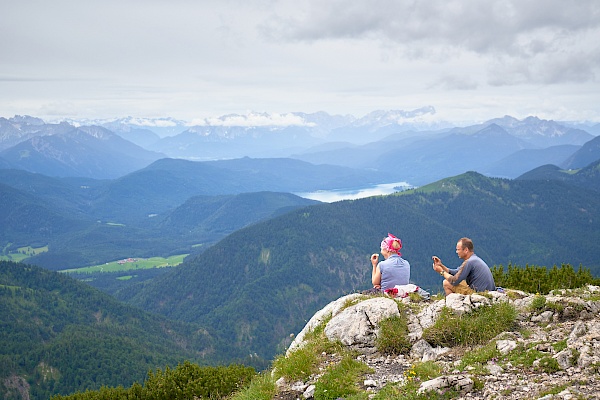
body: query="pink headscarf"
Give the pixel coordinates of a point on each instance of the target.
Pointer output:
(392, 244)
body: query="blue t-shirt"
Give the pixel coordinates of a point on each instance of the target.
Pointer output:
(477, 274)
(394, 271)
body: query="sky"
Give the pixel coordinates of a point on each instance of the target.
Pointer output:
(471, 60)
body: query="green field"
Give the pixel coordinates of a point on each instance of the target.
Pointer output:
(130, 264)
(22, 253)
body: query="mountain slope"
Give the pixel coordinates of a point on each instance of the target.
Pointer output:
(525, 160)
(428, 160)
(64, 336)
(168, 183)
(220, 215)
(88, 151)
(588, 153)
(586, 178)
(27, 220)
(260, 283)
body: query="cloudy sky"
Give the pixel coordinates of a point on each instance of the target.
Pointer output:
(471, 60)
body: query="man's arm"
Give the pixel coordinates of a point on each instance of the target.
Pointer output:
(458, 275)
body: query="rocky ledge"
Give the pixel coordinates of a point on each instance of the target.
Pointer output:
(573, 319)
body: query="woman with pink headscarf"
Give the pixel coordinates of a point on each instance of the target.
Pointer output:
(392, 271)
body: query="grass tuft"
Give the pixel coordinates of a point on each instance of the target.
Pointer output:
(393, 336)
(477, 327)
(262, 387)
(340, 380)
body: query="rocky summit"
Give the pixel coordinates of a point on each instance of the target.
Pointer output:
(557, 334)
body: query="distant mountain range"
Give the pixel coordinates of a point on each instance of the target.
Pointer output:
(403, 145)
(64, 150)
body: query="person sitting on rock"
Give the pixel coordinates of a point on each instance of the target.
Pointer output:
(392, 271)
(472, 276)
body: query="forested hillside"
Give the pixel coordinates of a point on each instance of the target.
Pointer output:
(261, 283)
(586, 178)
(59, 335)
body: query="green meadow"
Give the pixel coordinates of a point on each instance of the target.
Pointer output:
(22, 253)
(130, 264)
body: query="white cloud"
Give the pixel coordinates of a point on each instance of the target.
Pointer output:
(199, 59)
(253, 119)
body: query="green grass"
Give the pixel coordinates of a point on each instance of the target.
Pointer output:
(393, 336)
(341, 380)
(479, 357)
(140, 263)
(475, 328)
(304, 361)
(341, 372)
(262, 387)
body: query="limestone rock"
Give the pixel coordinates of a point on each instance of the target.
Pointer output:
(357, 326)
(331, 309)
(462, 383)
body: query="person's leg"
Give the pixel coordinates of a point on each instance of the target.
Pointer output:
(448, 288)
(372, 292)
(461, 288)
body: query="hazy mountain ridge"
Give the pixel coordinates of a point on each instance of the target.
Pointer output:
(63, 150)
(294, 135)
(587, 154)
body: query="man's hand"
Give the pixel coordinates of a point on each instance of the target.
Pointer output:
(437, 264)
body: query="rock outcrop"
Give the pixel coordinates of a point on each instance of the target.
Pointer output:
(564, 332)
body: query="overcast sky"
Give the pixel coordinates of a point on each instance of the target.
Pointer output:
(470, 59)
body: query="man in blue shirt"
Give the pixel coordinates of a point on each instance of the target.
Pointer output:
(473, 275)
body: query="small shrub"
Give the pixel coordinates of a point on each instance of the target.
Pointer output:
(478, 384)
(427, 370)
(537, 279)
(548, 364)
(538, 303)
(556, 307)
